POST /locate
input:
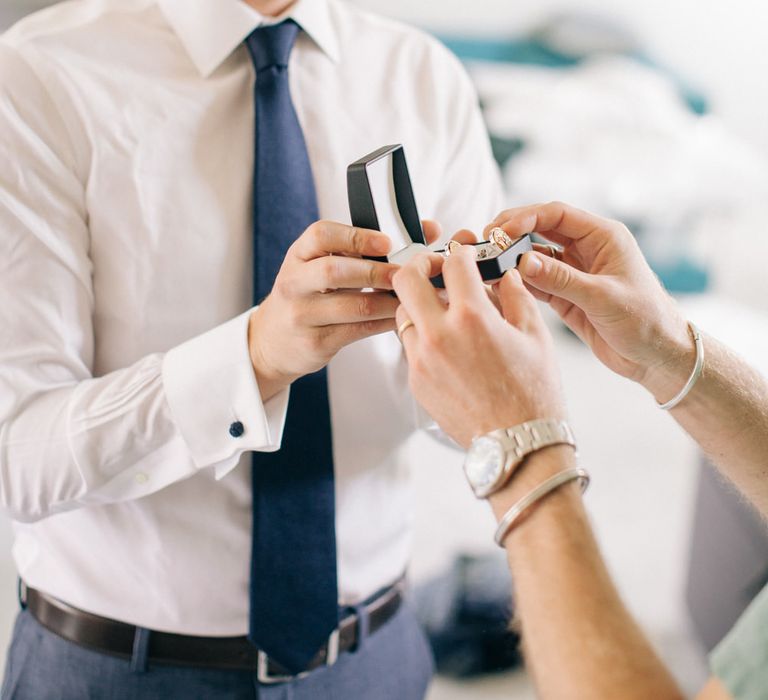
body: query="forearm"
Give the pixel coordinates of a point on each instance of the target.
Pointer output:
(726, 413)
(131, 432)
(579, 640)
(88, 442)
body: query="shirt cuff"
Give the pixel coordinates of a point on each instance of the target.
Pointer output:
(215, 401)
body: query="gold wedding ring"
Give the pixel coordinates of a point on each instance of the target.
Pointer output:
(452, 247)
(500, 238)
(553, 251)
(403, 327)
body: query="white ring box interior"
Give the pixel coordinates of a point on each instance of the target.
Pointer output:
(381, 198)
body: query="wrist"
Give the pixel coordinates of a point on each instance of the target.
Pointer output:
(535, 470)
(270, 380)
(665, 379)
(515, 413)
(553, 510)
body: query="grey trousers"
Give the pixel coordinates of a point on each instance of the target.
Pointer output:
(393, 664)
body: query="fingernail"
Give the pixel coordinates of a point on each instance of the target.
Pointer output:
(532, 265)
(381, 244)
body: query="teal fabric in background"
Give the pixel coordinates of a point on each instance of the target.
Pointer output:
(534, 52)
(508, 51)
(740, 661)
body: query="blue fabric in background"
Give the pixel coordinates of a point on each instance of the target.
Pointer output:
(466, 612)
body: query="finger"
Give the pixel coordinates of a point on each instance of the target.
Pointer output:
(408, 333)
(351, 307)
(462, 278)
(401, 315)
(562, 305)
(568, 251)
(345, 334)
(557, 217)
(436, 263)
(538, 294)
(328, 237)
(555, 237)
(517, 304)
(573, 317)
(415, 291)
(494, 298)
(558, 278)
(336, 272)
(432, 230)
(465, 237)
(507, 214)
(549, 250)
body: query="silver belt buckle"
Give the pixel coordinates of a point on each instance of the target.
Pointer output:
(262, 663)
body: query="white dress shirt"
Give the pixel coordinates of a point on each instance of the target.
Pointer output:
(126, 156)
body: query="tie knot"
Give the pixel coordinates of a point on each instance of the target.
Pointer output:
(271, 46)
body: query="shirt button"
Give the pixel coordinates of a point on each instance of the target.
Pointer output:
(141, 478)
(237, 429)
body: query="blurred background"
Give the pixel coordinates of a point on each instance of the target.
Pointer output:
(654, 113)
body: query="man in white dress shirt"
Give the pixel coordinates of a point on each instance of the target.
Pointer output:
(128, 344)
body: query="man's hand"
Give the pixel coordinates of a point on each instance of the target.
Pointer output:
(472, 370)
(604, 291)
(317, 305)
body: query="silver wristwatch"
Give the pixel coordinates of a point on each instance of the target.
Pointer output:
(493, 457)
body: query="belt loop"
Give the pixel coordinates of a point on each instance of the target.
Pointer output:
(140, 656)
(363, 626)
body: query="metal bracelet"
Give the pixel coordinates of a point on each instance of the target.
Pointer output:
(697, 369)
(555, 482)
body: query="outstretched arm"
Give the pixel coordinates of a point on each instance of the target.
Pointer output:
(603, 289)
(475, 372)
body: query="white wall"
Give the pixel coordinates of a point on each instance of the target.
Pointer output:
(717, 45)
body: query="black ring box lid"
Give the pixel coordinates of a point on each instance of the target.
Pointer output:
(362, 208)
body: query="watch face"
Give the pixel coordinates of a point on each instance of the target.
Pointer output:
(484, 463)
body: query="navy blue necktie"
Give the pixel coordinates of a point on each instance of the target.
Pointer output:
(294, 600)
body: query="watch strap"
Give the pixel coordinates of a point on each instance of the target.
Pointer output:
(524, 439)
(531, 436)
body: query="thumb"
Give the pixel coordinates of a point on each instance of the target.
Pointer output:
(556, 278)
(432, 230)
(517, 304)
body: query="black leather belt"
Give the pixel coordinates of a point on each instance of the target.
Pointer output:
(229, 653)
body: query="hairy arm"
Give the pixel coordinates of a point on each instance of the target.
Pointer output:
(602, 288)
(726, 413)
(579, 639)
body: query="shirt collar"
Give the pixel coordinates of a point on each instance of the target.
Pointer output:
(211, 30)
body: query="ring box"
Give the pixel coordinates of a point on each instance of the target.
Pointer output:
(492, 262)
(381, 198)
